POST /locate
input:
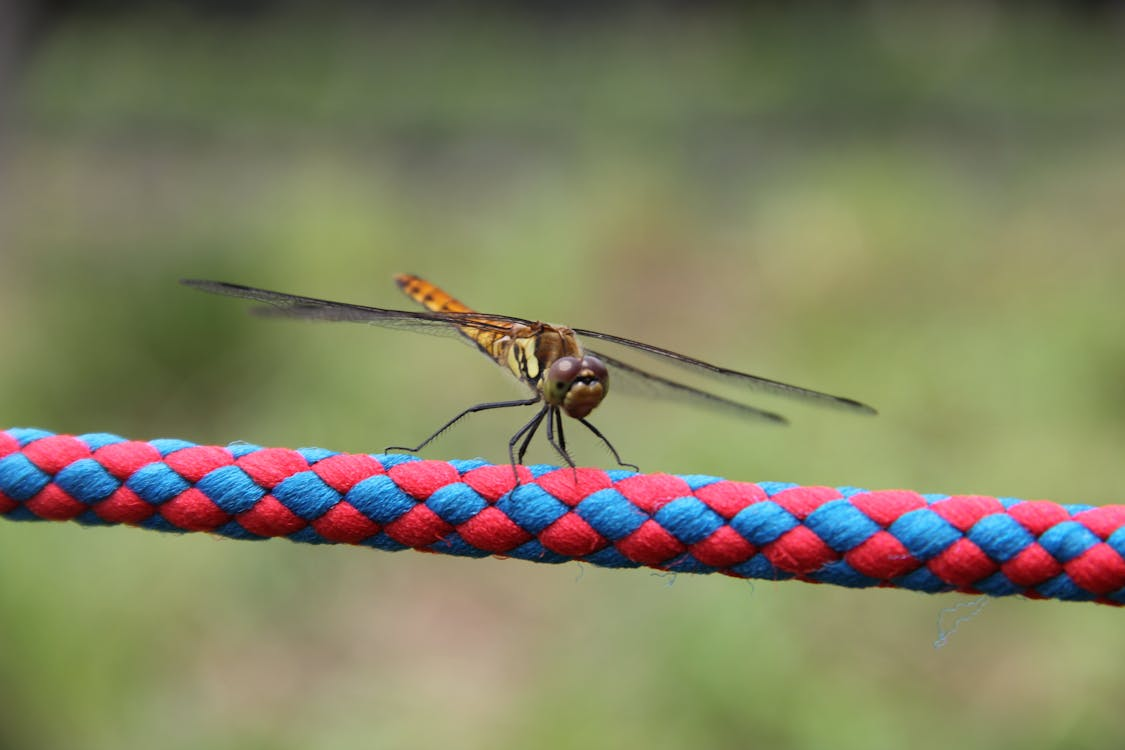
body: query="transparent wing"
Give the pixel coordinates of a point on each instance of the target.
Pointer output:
(625, 376)
(719, 374)
(633, 380)
(279, 304)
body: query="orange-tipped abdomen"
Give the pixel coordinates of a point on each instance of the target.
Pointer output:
(428, 295)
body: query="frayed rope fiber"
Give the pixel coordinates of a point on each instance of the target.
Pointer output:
(616, 519)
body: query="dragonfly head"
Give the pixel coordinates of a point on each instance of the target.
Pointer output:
(576, 385)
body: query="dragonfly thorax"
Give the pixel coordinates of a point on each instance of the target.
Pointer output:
(529, 350)
(550, 359)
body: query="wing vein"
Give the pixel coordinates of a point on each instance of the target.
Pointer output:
(644, 383)
(279, 304)
(731, 377)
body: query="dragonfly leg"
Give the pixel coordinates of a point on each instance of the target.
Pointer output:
(559, 426)
(555, 422)
(526, 432)
(609, 445)
(470, 410)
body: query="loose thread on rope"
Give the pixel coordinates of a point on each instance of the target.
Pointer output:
(617, 519)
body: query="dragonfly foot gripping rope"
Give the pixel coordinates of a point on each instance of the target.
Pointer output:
(617, 519)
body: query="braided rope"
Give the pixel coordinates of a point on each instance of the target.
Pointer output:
(617, 519)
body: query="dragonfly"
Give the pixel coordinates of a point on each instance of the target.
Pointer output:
(563, 375)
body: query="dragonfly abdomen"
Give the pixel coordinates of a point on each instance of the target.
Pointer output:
(436, 299)
(429, 296)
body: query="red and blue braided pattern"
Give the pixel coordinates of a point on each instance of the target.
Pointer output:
(617, 519)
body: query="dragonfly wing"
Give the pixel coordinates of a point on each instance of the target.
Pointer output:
(279, 304)
(636, 381)
(727, 376)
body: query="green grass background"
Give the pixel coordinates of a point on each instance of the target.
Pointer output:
(918, 208)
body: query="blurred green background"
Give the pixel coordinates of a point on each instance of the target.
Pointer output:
(920, 207)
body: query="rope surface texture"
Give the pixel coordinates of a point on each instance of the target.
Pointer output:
(616, 519)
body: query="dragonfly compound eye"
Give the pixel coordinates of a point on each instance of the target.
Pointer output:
(595, 368)
(577, 385)
(561, 374)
